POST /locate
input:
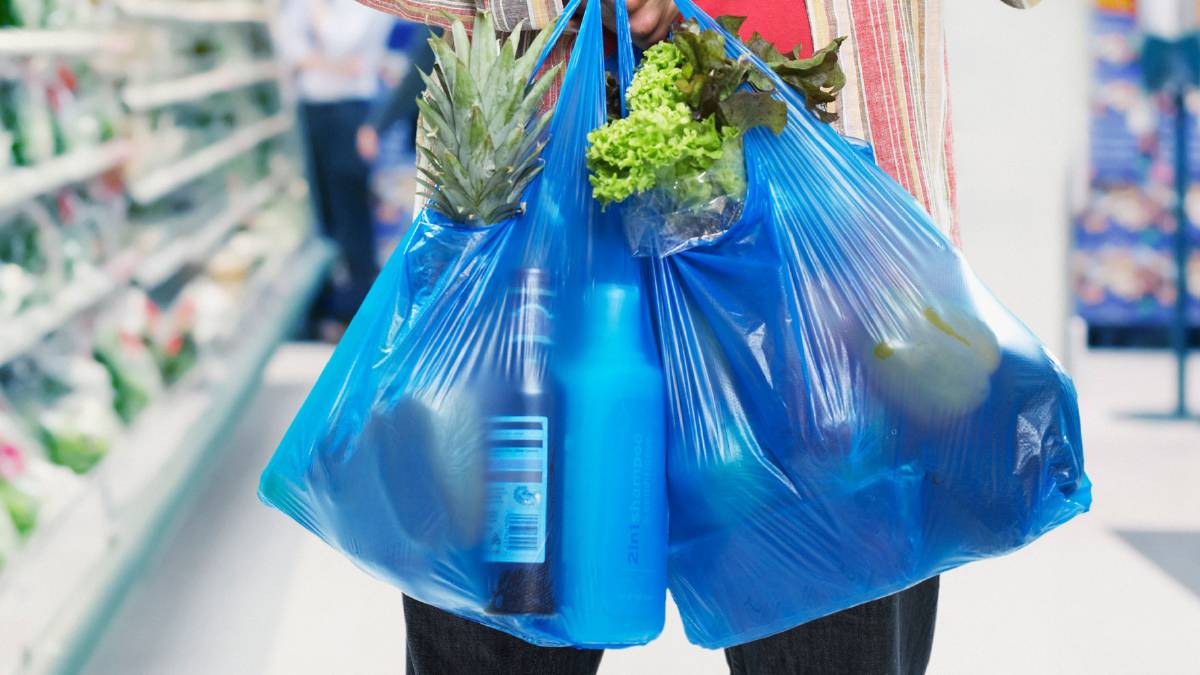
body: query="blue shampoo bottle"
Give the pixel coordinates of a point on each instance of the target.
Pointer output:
(612, 582)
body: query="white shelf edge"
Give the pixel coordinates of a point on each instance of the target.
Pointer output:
(191, 87)
(160, 182)
(197, 246)
(24, 41)
(22, 184)
(28, 329)
(197, 11)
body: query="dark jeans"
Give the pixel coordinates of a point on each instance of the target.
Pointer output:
(342, 199)
(890, 636)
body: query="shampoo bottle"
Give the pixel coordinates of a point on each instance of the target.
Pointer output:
(613, 560)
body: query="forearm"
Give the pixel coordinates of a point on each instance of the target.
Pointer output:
(507, 14)
(534, 14)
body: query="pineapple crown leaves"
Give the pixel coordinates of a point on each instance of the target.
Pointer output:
(484, 123)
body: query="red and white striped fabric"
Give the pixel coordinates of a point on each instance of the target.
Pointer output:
(897, 96)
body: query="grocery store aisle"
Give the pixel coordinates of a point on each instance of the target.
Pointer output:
(239, 589)
(217, 597)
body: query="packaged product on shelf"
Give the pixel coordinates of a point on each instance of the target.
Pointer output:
(31, 489)
(236, 261)
(67, 399)
(215, 317)
(86, 104)
(25, 105)
(24, 13)
(10, 542)
(17, 500)
(31, 268)
(121, 345)
(171, 338)
(83, 247)
(280, 227)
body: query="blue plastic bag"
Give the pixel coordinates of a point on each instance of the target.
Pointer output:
(847, 411)
(850, 410)
(488, 435)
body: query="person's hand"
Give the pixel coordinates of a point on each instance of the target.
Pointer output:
(650, 21)
(367, 141)
(312, 62)
(349, 66)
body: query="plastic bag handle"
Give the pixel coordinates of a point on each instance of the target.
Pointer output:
(625, 65)
(560, 27)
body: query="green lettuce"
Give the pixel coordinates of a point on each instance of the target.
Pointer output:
(688, 108)
(660, 140)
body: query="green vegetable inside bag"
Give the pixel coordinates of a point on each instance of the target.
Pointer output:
(679, 150)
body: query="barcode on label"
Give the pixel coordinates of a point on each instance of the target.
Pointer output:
(522, 532)
(518, 449)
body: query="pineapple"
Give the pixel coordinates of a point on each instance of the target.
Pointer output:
(483, 123)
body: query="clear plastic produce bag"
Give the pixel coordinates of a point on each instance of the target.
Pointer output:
(689, 211)
(489, 433)
(850, 411)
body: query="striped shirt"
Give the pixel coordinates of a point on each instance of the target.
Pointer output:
(897, 96)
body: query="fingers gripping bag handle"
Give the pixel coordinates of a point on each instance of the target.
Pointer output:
(850, 410)
(443, 447)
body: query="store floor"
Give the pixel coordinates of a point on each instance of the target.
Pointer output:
(239, 589)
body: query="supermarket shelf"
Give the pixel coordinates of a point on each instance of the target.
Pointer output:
(31, 327)
(21, 185)
(192, 87)
(200, 11)
(199, 245)
(160, 182)
(20, 41)
(178, 437)
(95, 287)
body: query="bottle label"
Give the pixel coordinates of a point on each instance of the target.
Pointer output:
(518, 447)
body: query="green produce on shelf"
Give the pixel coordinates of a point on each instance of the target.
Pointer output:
(25, 13)
(28, 116)
(84, 105)
(27, 273)
(66, 399)
(177, 357)
(121, 345)
(79, 436)
(131, 394)
(10, 541)
(22, 507)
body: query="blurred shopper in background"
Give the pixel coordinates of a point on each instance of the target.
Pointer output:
(335, 48)
(399, 105)
(387, 141)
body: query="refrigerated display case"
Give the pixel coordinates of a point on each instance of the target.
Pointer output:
(155, 248)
